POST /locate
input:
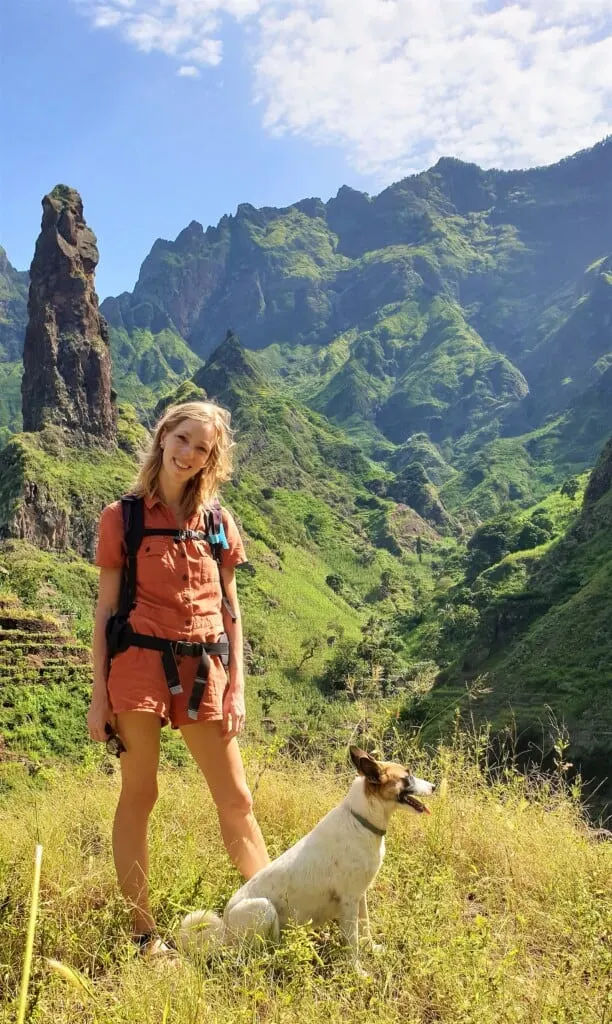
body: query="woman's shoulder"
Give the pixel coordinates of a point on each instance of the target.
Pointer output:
(111, 517)
(112, 510)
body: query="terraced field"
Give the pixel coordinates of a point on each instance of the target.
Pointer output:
(43, 671)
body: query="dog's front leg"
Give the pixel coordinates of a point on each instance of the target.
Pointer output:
(364, 925)
(348, 920)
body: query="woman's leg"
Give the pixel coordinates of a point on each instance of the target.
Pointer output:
(220, 761)
(139, 731)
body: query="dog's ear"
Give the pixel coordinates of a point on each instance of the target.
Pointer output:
(365, 764)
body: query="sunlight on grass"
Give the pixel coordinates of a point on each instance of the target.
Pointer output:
(497, 908)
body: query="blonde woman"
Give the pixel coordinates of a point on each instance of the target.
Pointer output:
(166, 663)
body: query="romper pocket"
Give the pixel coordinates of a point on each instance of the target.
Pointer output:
(157, 548)
(207, 571)
(156, 568)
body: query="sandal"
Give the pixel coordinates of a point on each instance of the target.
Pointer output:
(151, 945)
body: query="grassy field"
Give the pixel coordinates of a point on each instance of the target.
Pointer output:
(496, 909)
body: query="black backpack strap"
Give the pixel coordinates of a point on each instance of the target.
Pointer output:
(132, 508)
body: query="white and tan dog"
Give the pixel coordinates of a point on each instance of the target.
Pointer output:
(325, 876)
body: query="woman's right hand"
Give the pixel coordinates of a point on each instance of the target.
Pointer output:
(98, 716)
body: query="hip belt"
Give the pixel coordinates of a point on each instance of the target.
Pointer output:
(120, 636)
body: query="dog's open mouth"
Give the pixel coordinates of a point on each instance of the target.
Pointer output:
(413, 801)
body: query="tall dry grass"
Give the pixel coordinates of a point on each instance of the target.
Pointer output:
(494, 910)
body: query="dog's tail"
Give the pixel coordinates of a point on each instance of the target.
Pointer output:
(200, 930)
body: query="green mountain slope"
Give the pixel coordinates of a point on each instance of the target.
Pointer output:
(539, 587)
(435, 307)
(13, 319)
(328, 554)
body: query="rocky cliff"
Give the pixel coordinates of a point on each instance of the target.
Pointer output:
(67, 363)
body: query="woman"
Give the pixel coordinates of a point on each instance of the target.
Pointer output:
(179, 596)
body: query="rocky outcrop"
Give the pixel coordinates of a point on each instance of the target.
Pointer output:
(39, 520)
(67, 360)
(600, 480)
(229, 372)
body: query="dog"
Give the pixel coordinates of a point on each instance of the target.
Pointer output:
(326, 875)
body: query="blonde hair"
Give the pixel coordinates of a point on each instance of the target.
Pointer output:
(202, 488)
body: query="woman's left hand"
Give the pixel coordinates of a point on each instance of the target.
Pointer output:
(234, 711)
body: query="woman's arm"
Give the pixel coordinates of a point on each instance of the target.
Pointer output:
(107, 604)
(233, 630)
(234, 711)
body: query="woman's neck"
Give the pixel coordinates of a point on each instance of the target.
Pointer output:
(169, 495)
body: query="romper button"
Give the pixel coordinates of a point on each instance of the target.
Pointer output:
(147, 549)
(185, 577)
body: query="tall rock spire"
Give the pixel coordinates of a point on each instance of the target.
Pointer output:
(66, 356)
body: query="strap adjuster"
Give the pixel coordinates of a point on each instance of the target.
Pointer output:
(188, 648)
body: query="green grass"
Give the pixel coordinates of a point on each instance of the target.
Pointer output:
(494, 910)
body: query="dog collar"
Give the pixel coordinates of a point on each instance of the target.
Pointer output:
(368, 824)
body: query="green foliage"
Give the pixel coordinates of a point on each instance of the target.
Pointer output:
(147, 365)
(536, 641)
(370, 666)
(570, 487)
(470, 946)
(75, 482)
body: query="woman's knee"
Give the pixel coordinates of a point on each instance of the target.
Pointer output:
(236, 802)
(140, 794)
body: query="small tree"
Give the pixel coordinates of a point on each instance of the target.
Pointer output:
(308, 647)
(335, 582)
(570, 487)
(268, 697)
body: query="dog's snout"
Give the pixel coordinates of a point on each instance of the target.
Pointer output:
(420, 787)
(433, 787)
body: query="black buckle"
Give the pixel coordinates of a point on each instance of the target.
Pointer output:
(186, 647)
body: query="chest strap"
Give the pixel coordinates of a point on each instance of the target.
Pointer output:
(215, 542)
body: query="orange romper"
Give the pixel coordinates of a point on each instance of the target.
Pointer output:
(178, 596)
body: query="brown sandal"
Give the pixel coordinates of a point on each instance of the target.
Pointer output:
(151, 945)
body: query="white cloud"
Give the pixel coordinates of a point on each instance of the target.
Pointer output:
(188, 71)
(398, 83)
(184, 29)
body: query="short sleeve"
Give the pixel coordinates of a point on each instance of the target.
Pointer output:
(110, 551)
(235, 554)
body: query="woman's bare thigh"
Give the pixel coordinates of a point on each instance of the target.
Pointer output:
(218, 757)
(140, 732)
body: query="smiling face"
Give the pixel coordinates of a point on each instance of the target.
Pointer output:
(186, 448)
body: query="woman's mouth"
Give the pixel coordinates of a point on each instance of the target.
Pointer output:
(180, 465)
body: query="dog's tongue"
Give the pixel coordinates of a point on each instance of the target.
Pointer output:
(418, 806)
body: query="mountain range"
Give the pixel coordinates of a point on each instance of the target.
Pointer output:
(434, 362)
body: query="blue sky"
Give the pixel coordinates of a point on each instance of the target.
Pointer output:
(148, 151)
(165, 111)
